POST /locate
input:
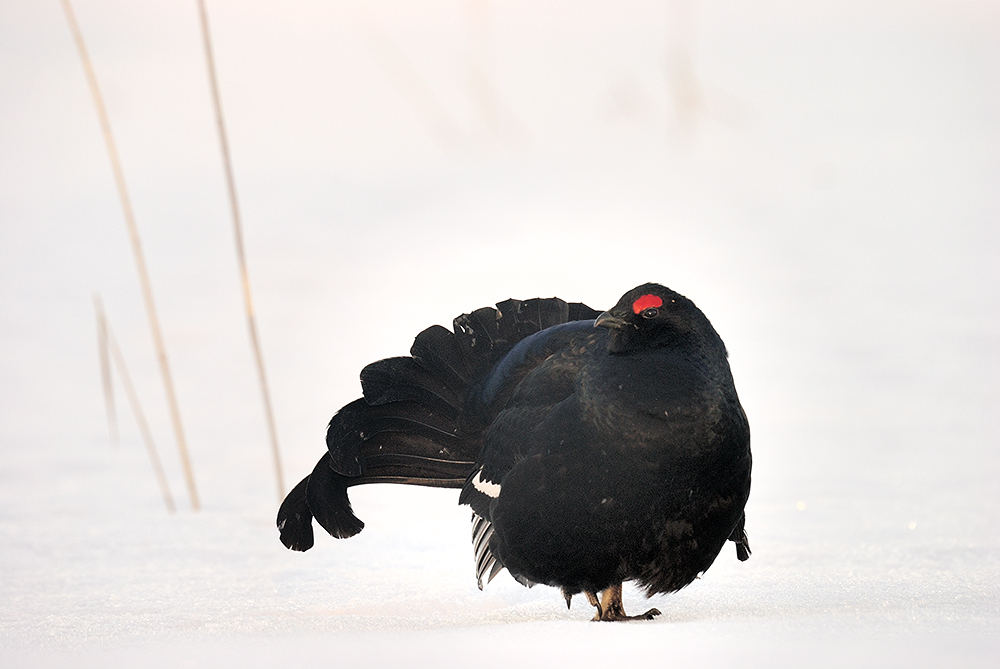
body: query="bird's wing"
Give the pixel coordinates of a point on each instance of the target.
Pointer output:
(514, 398)
(505, 377)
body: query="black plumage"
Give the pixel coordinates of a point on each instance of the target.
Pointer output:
(593, 448)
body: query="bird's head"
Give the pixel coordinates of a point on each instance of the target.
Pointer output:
(653, 316)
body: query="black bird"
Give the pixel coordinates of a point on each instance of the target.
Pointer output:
(594, 448)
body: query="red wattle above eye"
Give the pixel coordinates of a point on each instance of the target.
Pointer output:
(645, 302)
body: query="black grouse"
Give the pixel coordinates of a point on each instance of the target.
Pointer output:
(594, 448)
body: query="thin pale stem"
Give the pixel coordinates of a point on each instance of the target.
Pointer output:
(140, 416)
(140, 260)
(240, 252)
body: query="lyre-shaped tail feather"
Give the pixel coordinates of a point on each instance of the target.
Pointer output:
(295, 519)
(321, 495)
(326, 493)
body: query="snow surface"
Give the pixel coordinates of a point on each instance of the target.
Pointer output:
(820, 177)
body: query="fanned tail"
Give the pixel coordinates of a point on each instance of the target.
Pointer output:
(295, 519)
(411, 426)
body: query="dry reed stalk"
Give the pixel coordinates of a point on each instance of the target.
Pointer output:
(133, 398)
(109, 394)
(140, 260)
(497, 118)
(240, 252)
(429, 108)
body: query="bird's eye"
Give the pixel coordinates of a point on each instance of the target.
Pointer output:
(650, 313)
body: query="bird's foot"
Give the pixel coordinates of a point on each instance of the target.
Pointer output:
(648, 615)
(611, 609)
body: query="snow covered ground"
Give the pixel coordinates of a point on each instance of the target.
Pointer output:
(822, 178)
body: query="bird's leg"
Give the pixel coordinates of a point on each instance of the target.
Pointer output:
(612, 609)
(611, 603)
(592, 599)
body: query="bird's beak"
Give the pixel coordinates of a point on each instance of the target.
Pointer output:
(606, 320)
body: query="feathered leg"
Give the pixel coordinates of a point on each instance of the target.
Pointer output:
(611, 609)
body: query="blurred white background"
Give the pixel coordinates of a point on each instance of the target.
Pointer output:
(821, 178)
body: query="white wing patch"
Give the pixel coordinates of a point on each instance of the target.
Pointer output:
(487, 488)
